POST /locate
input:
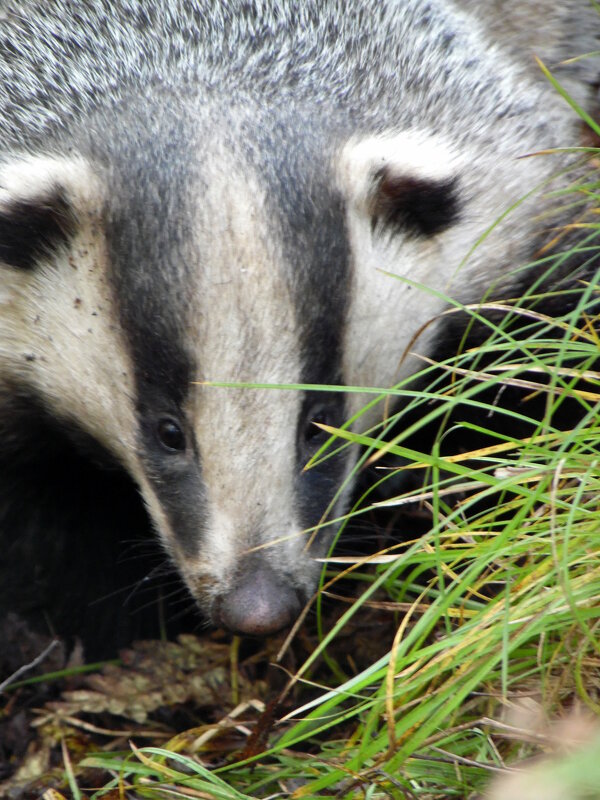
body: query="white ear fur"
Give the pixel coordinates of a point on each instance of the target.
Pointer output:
(414, 154)
(385, 311)
(30, 178)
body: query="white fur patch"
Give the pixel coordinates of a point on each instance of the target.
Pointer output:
(242, 324)
(386, 311)
(59, 333)
(30, 178)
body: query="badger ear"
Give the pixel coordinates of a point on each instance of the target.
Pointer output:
(402, 203)
(402, 183)
(39, 203)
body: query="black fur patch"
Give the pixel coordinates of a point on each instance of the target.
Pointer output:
(78, 550)
(30, 229)
(148, 233)
(317, 486)
(416, 206)
(312, 218)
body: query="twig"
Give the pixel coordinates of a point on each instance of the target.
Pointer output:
(26, 667)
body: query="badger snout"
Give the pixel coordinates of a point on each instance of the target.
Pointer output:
(259, 603)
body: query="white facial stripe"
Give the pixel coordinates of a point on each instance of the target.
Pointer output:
(373, 346)
(58, 328)
(385, 312)
(242, 324)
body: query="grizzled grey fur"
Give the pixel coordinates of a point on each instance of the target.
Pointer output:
(214, 191)
(60, 60)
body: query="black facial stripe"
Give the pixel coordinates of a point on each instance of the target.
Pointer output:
(312, 224)
(148, 236)
(147, 231)
(322, 294)
(163, 373)
(317, 486)
(33, 228)
(311, 216)
(177, 482)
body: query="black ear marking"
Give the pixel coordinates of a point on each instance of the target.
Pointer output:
(34, 227)
(414, 206)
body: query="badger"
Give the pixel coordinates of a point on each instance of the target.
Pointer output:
(204, 192)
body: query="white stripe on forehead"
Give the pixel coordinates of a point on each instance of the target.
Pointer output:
(242, 326)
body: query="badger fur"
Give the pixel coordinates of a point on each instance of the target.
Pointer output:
(213, 191)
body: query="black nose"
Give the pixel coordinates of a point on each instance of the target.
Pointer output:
(259, 603)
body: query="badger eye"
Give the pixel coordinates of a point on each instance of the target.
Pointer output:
(322, 417)
(170, 435)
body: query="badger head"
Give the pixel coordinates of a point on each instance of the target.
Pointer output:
(132, 276)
